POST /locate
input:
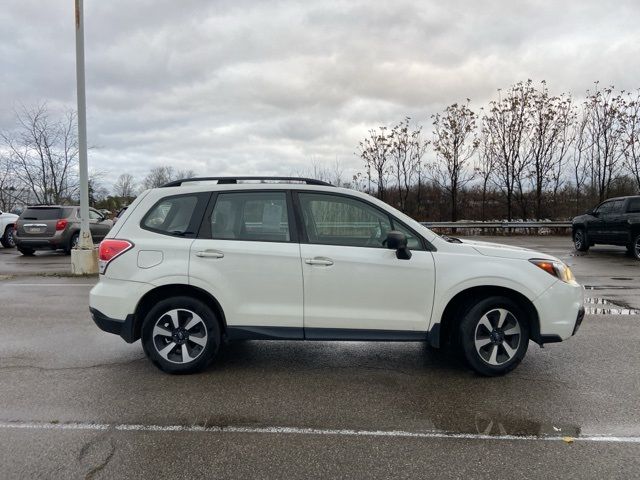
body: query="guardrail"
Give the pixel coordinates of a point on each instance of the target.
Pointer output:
(502, 227)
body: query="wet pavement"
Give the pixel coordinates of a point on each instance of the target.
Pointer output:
(79, 403)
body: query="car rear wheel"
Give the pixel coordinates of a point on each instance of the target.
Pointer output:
(7, 239)
(635, 248)
(26, 251)
(73, 243)
(580, 240)
(494, 336)
(181, 335)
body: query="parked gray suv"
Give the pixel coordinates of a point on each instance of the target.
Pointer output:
(55, 228)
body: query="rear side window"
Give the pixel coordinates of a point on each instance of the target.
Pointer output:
(634, 205)
(42, 214)
(255, 216)
(176, 215)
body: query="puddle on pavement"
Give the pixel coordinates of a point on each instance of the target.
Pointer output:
(603, 306)
(485, 424)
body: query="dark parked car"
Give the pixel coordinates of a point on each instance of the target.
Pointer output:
(615, 221)
(55, 228)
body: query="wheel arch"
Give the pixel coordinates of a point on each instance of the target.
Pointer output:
(149, 299)
(442, 332)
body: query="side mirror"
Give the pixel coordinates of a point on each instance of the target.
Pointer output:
(398, 241)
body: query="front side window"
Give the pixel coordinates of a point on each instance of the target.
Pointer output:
(171, 215)
(253, 216)
(604, 208)
(94, 216)
(337, 220)
(617, 206)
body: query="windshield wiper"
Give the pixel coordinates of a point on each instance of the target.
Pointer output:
(179, 233)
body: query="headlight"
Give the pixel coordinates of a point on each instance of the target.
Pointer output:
(557, 269)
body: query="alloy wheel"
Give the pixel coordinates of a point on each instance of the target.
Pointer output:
(578, 239)
(10, 240)
(179, 336)
(497, 336)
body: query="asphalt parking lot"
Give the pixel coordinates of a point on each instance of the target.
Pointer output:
(79, 403)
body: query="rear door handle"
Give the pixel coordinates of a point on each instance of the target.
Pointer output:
(209, 254)
(323, 261)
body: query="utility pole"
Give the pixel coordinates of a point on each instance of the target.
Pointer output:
(83, 256)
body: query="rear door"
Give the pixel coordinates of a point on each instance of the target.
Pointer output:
(354, 287)
(248, 257)
(616, 223)
(39, 222)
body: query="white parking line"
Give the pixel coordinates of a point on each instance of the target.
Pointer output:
(305, 431)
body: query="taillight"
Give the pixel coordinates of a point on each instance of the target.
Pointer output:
(61, 224)
(110, 249)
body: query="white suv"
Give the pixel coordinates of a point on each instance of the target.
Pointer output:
(278, 258)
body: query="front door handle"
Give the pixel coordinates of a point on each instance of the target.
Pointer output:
(209, 254)
(323, 261)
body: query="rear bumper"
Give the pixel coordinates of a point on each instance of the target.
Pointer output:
(51, 243)
(124, 328)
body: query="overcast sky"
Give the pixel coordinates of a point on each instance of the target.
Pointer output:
(256, 87)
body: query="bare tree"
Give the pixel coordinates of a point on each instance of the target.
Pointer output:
(632, 137)
(455, 142)
(374, 150)
(507, 125)
(12, 191)
(606, 117)
(125, 186)
(406, 151)
(484, 168)
(44, 154)
(550, 121)
(158, 176)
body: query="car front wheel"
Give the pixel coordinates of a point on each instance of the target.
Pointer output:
(181, 335)
(580, 240)
(494, 336)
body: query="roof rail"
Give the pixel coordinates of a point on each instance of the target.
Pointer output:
(233, 180)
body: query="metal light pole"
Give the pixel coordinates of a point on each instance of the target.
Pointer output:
(83, 257)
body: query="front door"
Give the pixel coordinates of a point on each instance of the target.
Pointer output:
(248, 258)
(98, 225)
(354, 287)
(596, 223)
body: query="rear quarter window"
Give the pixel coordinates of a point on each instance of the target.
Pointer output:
(634, 205)
(178, 215)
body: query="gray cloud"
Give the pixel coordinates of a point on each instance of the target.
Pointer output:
(264, 87)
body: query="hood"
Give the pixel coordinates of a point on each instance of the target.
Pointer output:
(500, 250)
(10, 216)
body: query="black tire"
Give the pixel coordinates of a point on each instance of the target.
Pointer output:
(7, 240)
(73, 241)
(580, 240)
(474, 332)
(28, 252)
(185, 309)
(634, 248)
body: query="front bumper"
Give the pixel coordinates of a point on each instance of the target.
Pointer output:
(124, 328)
(560, 311)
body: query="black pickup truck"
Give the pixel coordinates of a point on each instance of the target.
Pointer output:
(615, 221)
